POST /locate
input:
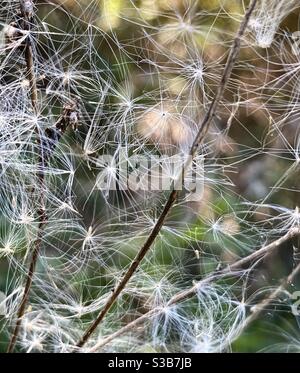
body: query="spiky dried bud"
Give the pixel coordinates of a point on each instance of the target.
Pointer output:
(11, 33)
(71, 115)
(69, 118)
(27, 9)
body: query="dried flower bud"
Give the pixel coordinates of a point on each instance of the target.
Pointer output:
(11, 33)
(71, 115)
(73, 119)
(27, 8)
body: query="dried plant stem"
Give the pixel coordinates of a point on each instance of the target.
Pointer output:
(28, 53)
(184, 295)
(259, 308)
(46, 143)
(231, 60)
(53, 136)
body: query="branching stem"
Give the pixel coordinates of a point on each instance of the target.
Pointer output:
(46, 143)
(184, 295)
(27, 16)
(231, 60)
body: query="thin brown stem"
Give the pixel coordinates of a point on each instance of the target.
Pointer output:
(46, 143)
(231, 60)
(259, 308)
(27, 15)
(28, 284)
(184, 295)
(53, 135)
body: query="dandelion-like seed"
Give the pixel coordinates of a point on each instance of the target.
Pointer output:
(267, 17)
(148, 174)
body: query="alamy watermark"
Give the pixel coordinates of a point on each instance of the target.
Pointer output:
(143, 172)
